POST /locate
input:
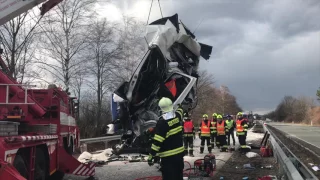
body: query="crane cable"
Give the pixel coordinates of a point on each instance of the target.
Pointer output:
(151, 8)
(149, 12)
(160, 8)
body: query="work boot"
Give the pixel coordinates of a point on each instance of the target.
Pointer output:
(185, 152)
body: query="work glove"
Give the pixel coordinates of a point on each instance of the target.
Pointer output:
(150, 160)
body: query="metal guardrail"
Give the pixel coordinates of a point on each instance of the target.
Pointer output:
(292, 166)
(100, 139)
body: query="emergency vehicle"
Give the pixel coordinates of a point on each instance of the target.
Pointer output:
(38, 131)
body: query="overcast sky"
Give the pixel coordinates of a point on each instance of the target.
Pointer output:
(262, 50)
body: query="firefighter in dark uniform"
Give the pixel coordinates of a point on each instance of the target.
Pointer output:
(231, 124)
(189, 134)
(242, 128)
(168, 141)
(205, 133)
(222, 131)
(213, 129)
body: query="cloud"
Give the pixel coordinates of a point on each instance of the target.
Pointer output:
(262, 49)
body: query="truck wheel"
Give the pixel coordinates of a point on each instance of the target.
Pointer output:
(20, 166)
(41, 170)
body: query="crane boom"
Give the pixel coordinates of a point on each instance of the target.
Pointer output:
(10, 9)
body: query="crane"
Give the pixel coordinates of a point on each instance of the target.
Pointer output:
(38, 131)
(9, 9)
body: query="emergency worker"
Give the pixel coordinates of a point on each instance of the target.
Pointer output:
(242, 128)
(167, 142)
(204, 133)
(213, 129)
(189, 135)
(231, 124)
(222, 131)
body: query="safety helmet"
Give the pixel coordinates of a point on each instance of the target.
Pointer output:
(165, 105)
(214, 115)
(205, 116)
(219, 116)
(239, 113)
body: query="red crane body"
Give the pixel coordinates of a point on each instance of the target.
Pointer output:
(38, 131)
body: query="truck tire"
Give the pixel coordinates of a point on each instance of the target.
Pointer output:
(20, 166)
(41, 166)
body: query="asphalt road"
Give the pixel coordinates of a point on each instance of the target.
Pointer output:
(310, 134)
(133, 171)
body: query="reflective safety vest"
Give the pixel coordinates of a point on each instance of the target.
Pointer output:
(240, 129)
(171, 85)
(205, 130)
(221, 129)
(213, 126)
(229, 123)
(188, 127)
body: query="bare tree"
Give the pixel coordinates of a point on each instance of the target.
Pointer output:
(65, 31)
(17, 37)
(211, 99)
(103, 50)
(133, 46)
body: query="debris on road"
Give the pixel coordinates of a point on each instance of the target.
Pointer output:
(240, 166)
(248, 166)
(252, 154)
(315, 168)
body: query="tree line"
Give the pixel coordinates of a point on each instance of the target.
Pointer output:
(293, 110)
(88, 56)
(212, 99)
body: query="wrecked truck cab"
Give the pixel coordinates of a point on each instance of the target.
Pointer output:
(169, 68)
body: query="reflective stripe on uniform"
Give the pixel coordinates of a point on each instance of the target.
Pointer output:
(205, 135)
(180, 111)
(154, 147)
(171, 152)
(188, 135)
(158, 138)
(174, 131)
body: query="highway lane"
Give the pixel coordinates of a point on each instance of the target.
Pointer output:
(310, 134)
